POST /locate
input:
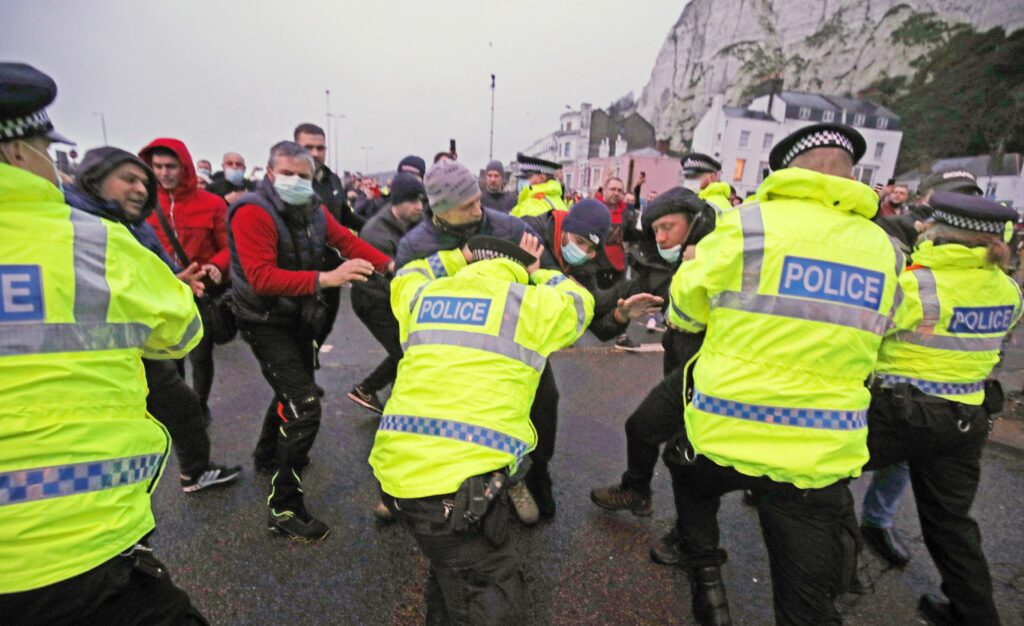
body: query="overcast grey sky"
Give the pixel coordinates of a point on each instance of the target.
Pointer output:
(239, 75)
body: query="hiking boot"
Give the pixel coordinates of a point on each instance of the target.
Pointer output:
(710, 604)
(382, 513)
(623, 342)
(367, 399)
(937, 610)
(212, 475)
(619, 498)
(540, 487)
(297, 525)
(666, 551)
(524, 504)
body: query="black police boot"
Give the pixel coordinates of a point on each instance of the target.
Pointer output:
(539, 485)
(666, 551)
(887, 544)
(710, 604)
(937, 610)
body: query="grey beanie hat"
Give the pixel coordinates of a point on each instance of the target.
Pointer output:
(449, 184)
(495, 166)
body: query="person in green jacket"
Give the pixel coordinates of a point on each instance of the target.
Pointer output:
(81, 302)
(703, 176)
(932, 401)
(795, 292)
(543, 192)
(477, 326)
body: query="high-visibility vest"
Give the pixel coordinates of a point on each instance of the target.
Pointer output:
(717, 195)
(957, 308)
(476, 340)
(80, 302)
(796, 292)
(539, 199)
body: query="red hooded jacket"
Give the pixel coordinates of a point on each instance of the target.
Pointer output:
(197, 217)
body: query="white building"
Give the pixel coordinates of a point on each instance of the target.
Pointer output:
(570, 143)
(741, 138)
(1002, 182)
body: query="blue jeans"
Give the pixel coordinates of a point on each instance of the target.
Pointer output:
(882, 500)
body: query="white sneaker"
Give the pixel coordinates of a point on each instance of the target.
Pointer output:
(524, 504)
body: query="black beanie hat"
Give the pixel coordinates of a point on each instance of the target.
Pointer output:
(680, 200)
(589, 219)
(406, 186)
(413, 163)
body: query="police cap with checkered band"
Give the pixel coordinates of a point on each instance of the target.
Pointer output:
(695, 163)
(485, 248)
(816, 136)
(972, 213)
(25, 92)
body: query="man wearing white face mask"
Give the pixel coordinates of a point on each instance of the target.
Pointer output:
(230, 182)
(279, 236)
(702, 175)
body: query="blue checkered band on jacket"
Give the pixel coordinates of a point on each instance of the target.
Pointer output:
(555, 280)
(459, 431)
(820, 139)
(784, 416)
(934, 388)
(437, 266)
(77, 478)
(969, 223)
(26, 126)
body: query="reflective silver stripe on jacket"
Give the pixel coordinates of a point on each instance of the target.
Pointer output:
(684, 316)
(753, 246)
(503, 343)
(92, 293)
(40, 483)
(929, 296)
(949, 342)
(934, 387)
(413, 270)
(459, 431)
(804, 309)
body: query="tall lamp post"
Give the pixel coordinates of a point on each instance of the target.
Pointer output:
(334, 136)
(103, 125)
(367, 150)
(490, 152)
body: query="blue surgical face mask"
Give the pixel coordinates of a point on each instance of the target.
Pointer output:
(293, 190)
(670, 254)
(573, 254)
(58, 181)
(234, 176)
(521, 184)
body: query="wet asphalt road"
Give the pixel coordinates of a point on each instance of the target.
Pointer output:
(586, 567)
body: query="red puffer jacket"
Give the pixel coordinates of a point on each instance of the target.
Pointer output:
(197, 217)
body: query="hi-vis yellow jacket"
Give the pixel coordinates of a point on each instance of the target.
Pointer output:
(539, 199)
(956, 309)
(476, 339)
(796, 292)
(80, 302)
(717, 195)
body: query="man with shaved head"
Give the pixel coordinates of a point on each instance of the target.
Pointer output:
(230, 182)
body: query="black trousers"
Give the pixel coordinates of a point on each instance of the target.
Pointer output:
(660, 415)
(116, 592)
(942, 443)
(332, 300)
(375, 313)
(544, 415)
(201, 359)
(471, 581)
(287, 358)
(175, 405)
(812, 539)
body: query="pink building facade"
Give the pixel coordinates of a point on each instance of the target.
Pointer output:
(662, 171)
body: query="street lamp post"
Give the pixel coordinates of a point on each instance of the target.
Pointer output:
(103, 125)
(334, 135)
(490, 152)
(367, 150)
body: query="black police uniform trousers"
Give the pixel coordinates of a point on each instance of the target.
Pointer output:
(201, 360)
(811, 536)
(942, 442)
(660, 415)
(175, 405)
(287, 358)
(471, 581)
(374, 311)
(120, 591)
(544, 415)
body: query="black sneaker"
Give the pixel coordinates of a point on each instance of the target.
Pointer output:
(618, 498)
(366, 399)
(212, 475)
(623, 342)
(297, 525)
(666, 551)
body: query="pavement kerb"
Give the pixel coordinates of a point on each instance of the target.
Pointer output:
(1008, 436)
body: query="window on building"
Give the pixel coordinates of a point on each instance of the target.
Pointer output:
(737, 173)
(762, 171)
(769, 139)
(595, 175)
(828, 116)
(864, 174)
(566, 149)
(882, 123)
(858, 119)
(744, 138)
(568, 180)
(804, 113)
(879, 149)
(568, 126)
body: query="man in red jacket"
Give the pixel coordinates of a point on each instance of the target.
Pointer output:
(197, 219)
(281, 236)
